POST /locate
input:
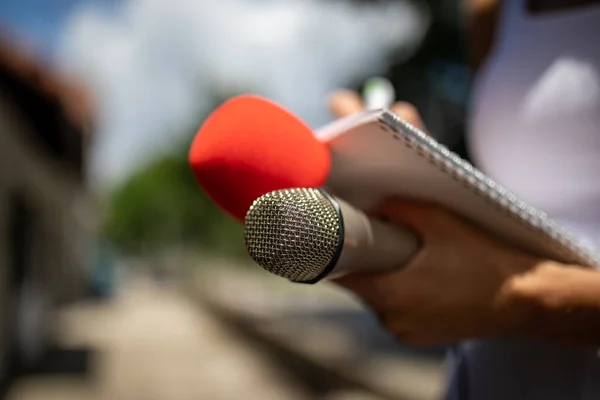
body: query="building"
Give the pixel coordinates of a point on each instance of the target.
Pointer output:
(46, 221)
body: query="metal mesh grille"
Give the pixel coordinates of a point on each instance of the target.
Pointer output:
(293, 233)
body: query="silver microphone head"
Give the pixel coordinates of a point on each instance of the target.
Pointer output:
(294, 233)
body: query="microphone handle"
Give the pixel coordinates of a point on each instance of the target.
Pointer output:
(371, 245)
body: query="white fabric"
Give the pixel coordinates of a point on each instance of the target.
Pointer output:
(535, 126)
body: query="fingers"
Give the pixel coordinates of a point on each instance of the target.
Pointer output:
(343, 103)
(431, 222)
(409, 113)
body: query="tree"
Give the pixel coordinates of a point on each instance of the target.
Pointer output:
(162, 206)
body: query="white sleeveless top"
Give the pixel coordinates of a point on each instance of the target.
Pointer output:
(535, 128)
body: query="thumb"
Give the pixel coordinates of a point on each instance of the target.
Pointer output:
(409, 113)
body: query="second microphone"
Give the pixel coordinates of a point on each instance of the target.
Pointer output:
(307, 235)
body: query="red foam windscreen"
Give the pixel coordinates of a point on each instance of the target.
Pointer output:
(250, 146)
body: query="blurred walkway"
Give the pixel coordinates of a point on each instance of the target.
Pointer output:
(155, 345)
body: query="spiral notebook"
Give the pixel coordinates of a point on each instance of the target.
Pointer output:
(376, 155)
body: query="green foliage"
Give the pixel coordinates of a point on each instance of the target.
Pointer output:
(162, 206)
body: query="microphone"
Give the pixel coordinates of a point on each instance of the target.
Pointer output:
(250, 146)
(378, 93)
(306, 235)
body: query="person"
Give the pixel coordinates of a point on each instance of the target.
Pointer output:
(526, 327)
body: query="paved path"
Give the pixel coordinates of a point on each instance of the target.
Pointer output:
(154, 345)
(329, 327)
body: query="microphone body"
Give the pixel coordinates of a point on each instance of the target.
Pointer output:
(371, 245)
(378, 93)
(307, 235)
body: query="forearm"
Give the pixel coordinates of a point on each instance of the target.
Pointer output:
(558, 302)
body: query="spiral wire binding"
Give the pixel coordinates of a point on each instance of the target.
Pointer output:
(505, 201)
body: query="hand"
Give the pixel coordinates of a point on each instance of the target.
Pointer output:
(457, 286)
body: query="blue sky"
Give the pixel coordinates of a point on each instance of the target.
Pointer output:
(39, 20)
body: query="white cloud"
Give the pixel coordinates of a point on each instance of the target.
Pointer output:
(154, 63)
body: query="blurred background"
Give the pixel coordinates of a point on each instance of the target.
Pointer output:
(118, 278)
